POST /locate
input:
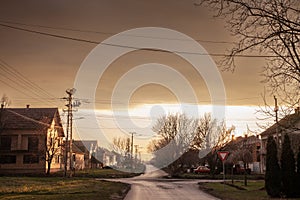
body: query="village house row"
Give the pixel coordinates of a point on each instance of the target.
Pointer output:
(28, 134)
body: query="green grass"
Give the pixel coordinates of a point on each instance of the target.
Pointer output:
(99, 173)
(220, 176)
(254, 191)
(53, 188)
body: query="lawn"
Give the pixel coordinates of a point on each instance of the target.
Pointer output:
(220, 176)
(60, 188)
(82, 186)
(100, 173)
(254, 191)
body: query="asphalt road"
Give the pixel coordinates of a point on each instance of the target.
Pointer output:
(151, 186)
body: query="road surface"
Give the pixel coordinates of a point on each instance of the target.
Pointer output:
(151, 186)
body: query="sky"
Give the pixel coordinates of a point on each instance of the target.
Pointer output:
(36, 69)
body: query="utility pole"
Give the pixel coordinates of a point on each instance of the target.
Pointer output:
(276, 120)
(68, 144)
(131, 150)
(136, 146)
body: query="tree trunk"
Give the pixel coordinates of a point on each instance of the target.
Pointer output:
(232, 175)
(245, 173)
(48, 167)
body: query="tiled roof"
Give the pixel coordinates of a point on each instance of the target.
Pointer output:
(238, 142)
(287, 122)
(78, 150)
(29, 118)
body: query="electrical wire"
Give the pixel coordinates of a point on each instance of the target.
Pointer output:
(24, 79)
(133, 47)
(14, 78)
(109, 33)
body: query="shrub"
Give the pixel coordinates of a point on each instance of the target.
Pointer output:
(272, 176)
(298, 174)
(288, 173)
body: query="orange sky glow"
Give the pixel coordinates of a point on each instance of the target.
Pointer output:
(36, 69)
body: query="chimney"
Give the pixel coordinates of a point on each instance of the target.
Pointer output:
(27, 106)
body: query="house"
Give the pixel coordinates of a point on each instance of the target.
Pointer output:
(245, 149)
(78, 158)
(90, 150)
(29, 137)
(108, 158)
(290, 125)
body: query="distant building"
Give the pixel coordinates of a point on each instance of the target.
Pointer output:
(288, 125)
(90, 150)
(24, 136)
(79, 158)
(108, 158)
(248, 146)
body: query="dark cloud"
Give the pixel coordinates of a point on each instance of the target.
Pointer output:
(52, 63)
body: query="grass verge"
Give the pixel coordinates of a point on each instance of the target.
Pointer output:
(254, 191)
(99, 173)
(52, 188)
(220, 176)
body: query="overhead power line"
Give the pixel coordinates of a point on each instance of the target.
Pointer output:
(49, 34)
(17, 81)
(24, 79)
(110, 33)
(131, 47)
(15, 88)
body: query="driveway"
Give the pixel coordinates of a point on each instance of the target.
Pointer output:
(151, 185)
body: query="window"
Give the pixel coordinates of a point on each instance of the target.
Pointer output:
(7, 159)
(33, 144)
(28, 159)
(5, 143)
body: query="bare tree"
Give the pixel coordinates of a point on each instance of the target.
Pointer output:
(219, 139)
(5, 102)
(178, 128)
(176, 133)
(52, 147)
(270, 29)
(210, 135)
(52, 142)
(204, 129)
(121, 145)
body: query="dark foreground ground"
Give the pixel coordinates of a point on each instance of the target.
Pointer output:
(83, 186)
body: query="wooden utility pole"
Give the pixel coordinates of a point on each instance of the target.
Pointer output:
(276, 120)
(68, 143)
(136, 146)
(131, 150)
